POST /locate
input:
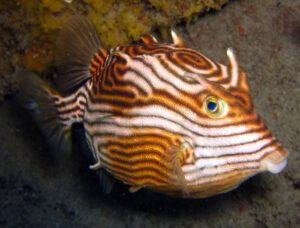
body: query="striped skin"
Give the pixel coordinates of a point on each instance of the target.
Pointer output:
(145, 120)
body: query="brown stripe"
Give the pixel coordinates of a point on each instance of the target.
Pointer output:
(136, 175)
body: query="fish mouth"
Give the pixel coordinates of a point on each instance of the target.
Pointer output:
(276, 161)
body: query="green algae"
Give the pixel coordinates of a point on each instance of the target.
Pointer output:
(118, 22)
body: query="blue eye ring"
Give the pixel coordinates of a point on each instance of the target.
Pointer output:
(215, 107)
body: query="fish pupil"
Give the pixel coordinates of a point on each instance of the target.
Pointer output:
(212, 106)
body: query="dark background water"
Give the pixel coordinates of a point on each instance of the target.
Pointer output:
(41, 188)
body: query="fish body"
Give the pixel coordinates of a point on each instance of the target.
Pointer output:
(157, 115)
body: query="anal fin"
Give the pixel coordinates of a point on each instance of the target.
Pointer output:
(107, 181)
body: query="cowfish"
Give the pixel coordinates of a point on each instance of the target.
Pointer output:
(155, 115)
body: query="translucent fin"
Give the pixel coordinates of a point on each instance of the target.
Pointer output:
(77, 44)
(106, 181)
(176, 156)
(42, 101)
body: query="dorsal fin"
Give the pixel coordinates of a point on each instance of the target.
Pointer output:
(77, 44)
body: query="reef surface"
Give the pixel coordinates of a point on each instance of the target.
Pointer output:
(29, 28)
(40, 188)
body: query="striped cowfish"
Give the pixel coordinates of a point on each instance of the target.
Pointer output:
(156, 115)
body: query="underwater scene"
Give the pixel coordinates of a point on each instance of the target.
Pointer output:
(150, 113)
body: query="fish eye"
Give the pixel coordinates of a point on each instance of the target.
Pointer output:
(215, 107)
(212, 106)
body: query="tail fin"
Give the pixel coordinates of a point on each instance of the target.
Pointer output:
(54, 114)
(77, 44)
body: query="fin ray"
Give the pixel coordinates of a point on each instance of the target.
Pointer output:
(176, 154)
(107, 181)
(77, 44)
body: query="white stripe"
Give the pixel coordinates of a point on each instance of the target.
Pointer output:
(160, 113)
(108, 129)
(222, 76)
(171, 65)
(227, 141)
(71, 102)
(163, 73)
(188, 116)
(207, 162)
(198, 141)
(220, 151)
(154, 122)
(138, 81)
(146, 72)
(158, 110)
(197, 176)
(203, 71)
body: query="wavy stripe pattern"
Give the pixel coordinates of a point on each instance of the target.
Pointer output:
(143, 114)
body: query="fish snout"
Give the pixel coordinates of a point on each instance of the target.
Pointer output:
(276, 161)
